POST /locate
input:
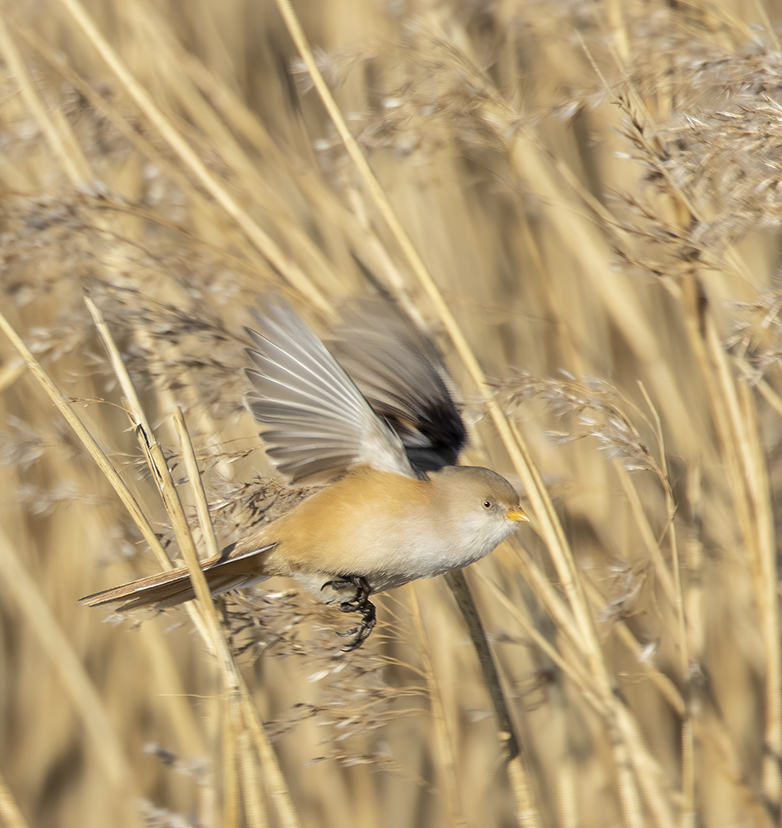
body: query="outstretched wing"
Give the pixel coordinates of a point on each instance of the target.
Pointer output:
(403, 378)
(316, 420)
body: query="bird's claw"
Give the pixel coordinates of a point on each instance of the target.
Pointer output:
(341, 583)
(360, 603)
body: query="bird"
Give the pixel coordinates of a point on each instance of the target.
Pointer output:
(384, 436)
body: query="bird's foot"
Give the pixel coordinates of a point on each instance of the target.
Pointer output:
(359, 603)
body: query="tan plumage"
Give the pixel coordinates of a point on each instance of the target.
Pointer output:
(382, 522)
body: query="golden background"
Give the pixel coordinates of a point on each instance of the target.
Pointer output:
(594, 190)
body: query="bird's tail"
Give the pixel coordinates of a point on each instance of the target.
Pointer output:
(166, 589)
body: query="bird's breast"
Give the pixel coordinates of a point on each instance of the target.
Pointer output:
(377, 525)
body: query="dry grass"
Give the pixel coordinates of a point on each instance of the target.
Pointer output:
(581, 203)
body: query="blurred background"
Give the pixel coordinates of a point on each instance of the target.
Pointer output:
(594, 190)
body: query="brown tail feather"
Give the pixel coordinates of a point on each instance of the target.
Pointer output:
(166, 589)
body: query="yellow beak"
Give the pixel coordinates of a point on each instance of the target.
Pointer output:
(518, 515)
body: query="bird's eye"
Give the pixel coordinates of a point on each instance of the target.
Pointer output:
(487, 504)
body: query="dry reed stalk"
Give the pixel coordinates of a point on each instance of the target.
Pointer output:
(230, 730)
(239, 696)
(214, 215)
(9, 810)
(710, 734)
(260, 239)
(86, 438)
(519, 768)
(22, 589)
(559, 548)
(443, 727)
(205, 615)
(9, 374)
(252, 784)
(59, 136)
(719, 744)
(235, 688)
(724, 418)
(182, 71)
(751, 484)
(748, 478)
(646, 770)
(526, 811)
(688, 817)
(517, 448)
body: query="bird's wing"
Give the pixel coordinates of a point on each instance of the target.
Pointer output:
(316, 421)
(403, 378)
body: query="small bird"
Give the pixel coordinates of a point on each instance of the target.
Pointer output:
(395, 508)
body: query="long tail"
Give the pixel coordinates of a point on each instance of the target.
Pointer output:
(166, 589)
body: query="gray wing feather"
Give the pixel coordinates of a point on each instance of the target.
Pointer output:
(403, 377)
(317, 421)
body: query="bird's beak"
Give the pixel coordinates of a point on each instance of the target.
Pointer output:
(518, 515)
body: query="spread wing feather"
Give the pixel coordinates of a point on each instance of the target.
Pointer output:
(317, 421)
